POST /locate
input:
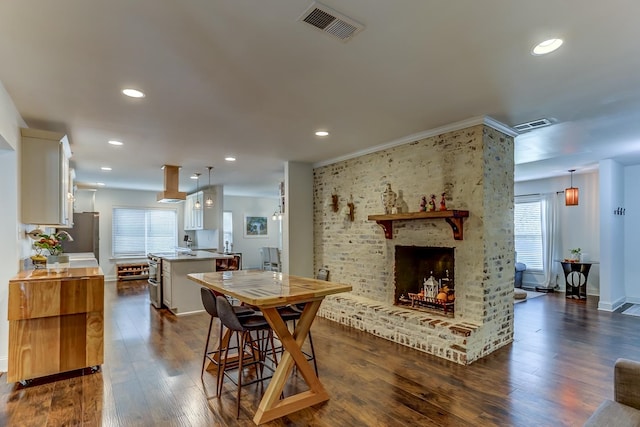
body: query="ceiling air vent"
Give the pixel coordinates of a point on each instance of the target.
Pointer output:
(535, 124)
(331, 22)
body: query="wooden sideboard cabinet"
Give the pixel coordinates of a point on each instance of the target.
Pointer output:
(56, 322)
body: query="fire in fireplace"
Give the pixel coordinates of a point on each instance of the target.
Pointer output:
(420, 269)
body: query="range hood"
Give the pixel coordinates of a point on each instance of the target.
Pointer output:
(170, 194)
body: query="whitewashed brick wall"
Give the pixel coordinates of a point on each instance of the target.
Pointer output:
(474, 166)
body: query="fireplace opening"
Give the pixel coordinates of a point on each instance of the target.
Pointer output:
(424, 278)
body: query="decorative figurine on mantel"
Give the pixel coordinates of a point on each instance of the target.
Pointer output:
(423, 204)
(443, 203)
(432, 203)
(388, 199)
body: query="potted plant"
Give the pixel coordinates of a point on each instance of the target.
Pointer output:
(575, 254)
(52, 243)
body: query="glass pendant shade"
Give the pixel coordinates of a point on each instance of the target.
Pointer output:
(197, 205)
(209, 202)
(571, 193)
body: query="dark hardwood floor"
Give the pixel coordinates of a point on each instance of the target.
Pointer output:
(556, 373)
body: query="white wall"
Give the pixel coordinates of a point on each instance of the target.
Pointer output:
(612, 289)
(106, 200)
(250, 247)
(297, 236)
(14, 240)
(579, 226)
(630, 221)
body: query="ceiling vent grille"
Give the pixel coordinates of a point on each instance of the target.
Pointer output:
(331, 22)
(535, 124)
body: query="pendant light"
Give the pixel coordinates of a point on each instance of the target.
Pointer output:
(197, 205)
(209, 202)
(571, 193)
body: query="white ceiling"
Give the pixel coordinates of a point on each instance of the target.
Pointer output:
(247, 78)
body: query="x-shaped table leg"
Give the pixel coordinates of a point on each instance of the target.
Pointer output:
(271, 406)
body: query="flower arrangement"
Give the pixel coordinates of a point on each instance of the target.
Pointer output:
(52, 242)
(575, 253)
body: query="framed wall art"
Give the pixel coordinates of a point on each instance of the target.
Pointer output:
(256, 226)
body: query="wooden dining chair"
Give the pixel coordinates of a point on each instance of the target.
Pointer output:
(265, 255)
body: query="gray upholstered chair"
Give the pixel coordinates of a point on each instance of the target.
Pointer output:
(625, 409)
(520, 268)
(242, 326)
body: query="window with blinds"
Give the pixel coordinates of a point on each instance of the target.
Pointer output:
(528, 233)
(138, 231)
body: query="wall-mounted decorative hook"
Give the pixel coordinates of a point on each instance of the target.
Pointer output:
(619, 211)
(334, 200)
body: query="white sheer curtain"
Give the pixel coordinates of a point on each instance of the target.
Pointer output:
(550, 237)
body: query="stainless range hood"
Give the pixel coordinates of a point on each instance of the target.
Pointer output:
(171, 193)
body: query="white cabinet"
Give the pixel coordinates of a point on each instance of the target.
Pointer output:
(205, 218)
(46, 189)
(180, 294)
(167, 287)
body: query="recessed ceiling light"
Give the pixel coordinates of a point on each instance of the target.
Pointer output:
(193, 177)
(322, 133)
(114, 142)
(105, 168)
(546, 46)
(230, 159)
(101, 184)
(133, 93)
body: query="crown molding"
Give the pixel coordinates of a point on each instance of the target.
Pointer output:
(481, 120)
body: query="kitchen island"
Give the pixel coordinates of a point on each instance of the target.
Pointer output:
(56, 322)
(178, 292)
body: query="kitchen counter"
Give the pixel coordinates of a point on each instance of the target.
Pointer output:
(194, 255)
(44, 274)
(76, 260)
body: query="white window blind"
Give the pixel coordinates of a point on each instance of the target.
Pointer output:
(528, 233)
(138, 231)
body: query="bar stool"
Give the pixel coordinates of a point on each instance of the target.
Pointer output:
(242, 326)
(209, 302)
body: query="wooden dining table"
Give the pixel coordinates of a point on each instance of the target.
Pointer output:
(269, 290)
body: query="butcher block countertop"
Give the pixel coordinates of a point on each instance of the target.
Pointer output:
(44, 274)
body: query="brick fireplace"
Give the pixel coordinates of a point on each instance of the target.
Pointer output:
(474, 167)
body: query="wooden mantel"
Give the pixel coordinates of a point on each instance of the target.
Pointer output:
(453, 217)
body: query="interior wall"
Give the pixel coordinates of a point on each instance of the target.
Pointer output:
(629, 221)
(241, 206)
(11, 251)
(106, 200)
(612, 232)
(298, 233)
(578, 226)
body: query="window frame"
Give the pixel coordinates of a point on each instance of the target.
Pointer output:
(537, 265)
(147, 246)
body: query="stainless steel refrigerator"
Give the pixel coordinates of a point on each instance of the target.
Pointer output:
(85, 233)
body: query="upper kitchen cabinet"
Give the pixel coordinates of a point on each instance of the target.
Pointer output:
(207, 217)
(46, 185)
